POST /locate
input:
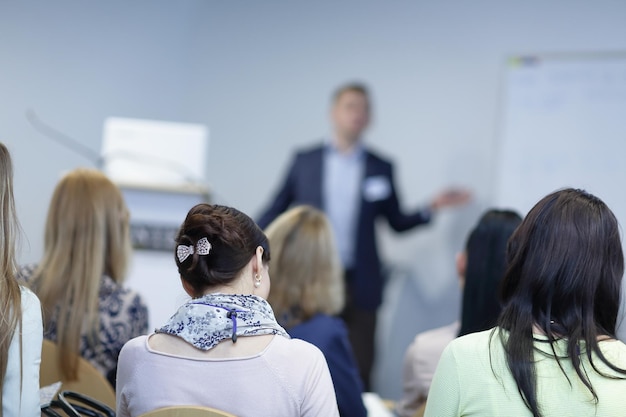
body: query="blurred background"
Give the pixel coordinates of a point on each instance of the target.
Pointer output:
(260, 76)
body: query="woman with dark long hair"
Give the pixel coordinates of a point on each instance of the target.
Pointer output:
(481, 268)
(554, 350)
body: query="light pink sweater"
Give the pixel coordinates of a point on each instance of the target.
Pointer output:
(289, 378)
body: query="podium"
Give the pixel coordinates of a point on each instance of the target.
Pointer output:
(160, 168)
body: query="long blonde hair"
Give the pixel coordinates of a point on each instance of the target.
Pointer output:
(305, 269)
(87, 235)
(10, 296)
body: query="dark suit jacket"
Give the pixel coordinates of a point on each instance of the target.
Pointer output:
(303, 185)
(330, 335)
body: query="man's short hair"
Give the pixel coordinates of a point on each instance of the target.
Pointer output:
(355, 87)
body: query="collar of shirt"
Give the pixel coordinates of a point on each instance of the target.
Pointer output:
(356, 153)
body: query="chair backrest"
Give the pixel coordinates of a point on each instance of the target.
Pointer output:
(90, 381)
(187, 411)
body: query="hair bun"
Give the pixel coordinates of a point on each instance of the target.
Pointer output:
(230, 238)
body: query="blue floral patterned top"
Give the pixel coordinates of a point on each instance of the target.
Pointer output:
(123, 316)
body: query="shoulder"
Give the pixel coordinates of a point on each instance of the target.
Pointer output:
(435, 339)
(332, 323)
(449, 332)
(134, 347)
(31, 307)
(31, 312)
(474, 347)
(309, 382)
(310, 151)
(476, 339)
(295, 350)
(471, 358)
(449, 329)
(122, 309)
(29, 299)
(295, 346)
(25, 273)
(614, 345)
(323, 322)
(111, 289)
(283, 353)
(614, 351)
(375, 157)
(132, 359)
(320, 329)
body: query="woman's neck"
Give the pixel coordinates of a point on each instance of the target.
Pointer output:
(236, 287)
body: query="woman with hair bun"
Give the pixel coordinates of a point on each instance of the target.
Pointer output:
(554, 350)
(224, 348)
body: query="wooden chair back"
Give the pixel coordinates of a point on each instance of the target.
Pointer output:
(90, 381)
(187, 411)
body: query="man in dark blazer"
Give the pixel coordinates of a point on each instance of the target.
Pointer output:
(354, 187)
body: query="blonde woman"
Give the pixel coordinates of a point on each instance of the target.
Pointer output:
(21, 330)
(79, 280)
(307, 292)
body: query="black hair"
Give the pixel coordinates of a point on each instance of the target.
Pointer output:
(486, 260)
(564, 272)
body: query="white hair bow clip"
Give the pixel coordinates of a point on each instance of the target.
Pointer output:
(203, 247)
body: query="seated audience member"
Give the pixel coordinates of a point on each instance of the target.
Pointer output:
(21, 331)
(224, 348)
(87, 311)
(554, 351)
(307, 291)
(480, 268)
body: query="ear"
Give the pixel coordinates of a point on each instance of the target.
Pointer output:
(188, 288)
(260, 274)
(257, 262)
(461, 266)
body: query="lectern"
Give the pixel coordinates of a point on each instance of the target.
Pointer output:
(160, 168)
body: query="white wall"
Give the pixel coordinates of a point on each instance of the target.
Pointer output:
(260, 75)
(263, 74)
(75, 64)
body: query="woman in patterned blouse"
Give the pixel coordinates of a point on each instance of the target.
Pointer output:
(87, 311)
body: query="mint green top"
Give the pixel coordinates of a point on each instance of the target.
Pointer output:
(467, 384)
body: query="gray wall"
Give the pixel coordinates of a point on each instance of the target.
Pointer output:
(260, 74)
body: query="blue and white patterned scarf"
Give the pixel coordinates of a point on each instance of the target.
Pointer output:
(206, 321)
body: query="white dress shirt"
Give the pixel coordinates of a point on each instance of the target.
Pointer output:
(20, 392)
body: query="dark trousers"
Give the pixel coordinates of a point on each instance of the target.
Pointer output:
(361, 326)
